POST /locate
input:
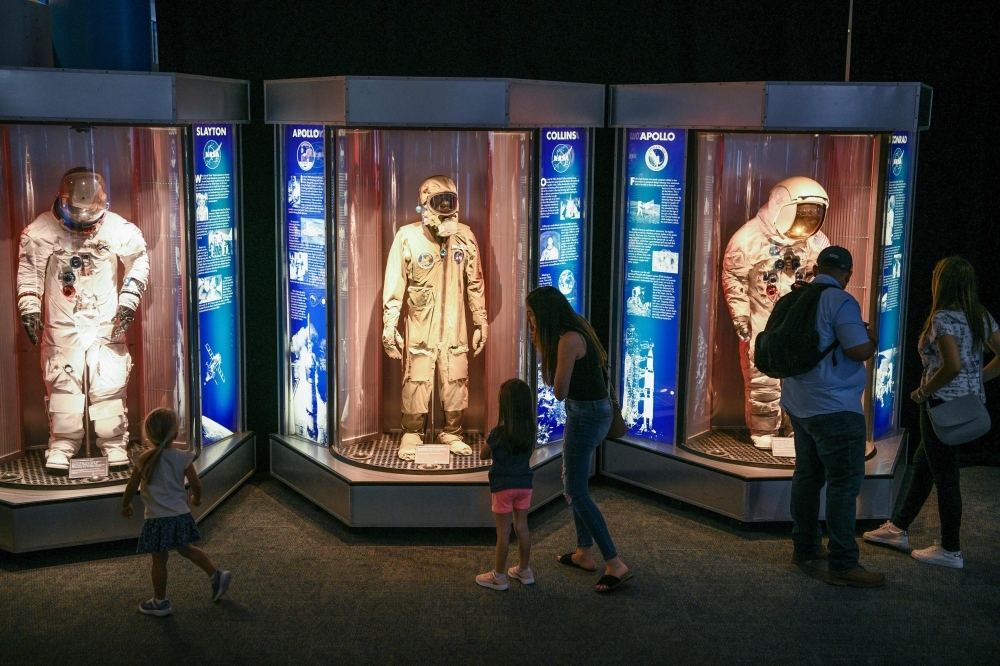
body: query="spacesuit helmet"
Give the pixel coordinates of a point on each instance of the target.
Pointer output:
(439, 203)
(797, 207)
(82, 199)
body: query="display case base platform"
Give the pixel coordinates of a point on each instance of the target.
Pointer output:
(748, 493)
(366, 497)
(36, 519)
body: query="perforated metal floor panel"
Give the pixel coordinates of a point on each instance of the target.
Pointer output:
(382, 453)
(30, 472)
(734, 446)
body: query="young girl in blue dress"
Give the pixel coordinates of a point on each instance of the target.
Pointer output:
(159, 477)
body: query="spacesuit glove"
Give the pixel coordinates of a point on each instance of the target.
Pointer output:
(742, 326)
(479, 338)
(392, 342)
(125, 316)
(32, 322)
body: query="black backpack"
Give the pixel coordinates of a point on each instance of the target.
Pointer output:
(789, 344)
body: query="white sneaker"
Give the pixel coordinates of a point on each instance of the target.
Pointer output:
(890, 535)
(492, 580)
(116, 457)
(56, 460)
(761, 441)
(938, 555)
(523, 576)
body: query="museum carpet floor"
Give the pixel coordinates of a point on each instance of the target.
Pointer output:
(307, 590)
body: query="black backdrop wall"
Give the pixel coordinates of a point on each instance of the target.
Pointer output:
(646, 41)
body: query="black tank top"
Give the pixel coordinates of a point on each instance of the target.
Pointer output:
(587, 382)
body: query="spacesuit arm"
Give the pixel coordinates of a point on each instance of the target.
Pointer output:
(736, 276)
(33, 257)
(394, 288)
(132, 252)
(475, 287)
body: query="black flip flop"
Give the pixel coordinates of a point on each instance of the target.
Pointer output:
(612, 581)
(567, 559)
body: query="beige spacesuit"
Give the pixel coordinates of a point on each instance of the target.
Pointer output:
(764, 258)
(435, 264)
(68, 260)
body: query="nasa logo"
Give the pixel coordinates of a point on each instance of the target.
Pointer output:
(210, 131)
(567, 135)
(425, 260)
(652, 136)
(656, 157)
(562, 158)
(305, 154)
(897, 161)
(305, 133)
(459, 256)
(212, 154)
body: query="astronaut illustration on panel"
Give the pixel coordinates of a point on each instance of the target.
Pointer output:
(68, 270)
(435, 265)
(763, 259)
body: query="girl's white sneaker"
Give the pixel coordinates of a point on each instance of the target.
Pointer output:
(492, 580)
(938, 555)
(890, 535)
(523, 576)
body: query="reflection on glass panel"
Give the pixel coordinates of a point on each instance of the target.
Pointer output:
(748, 253)
(431, 275)
(100, 211)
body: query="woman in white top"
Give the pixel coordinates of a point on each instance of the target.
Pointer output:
(951, 349)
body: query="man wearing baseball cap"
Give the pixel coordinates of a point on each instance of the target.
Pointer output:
(830, 431)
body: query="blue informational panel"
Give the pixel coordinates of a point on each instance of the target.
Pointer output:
(305, 244)
(218, 320)
(561, 236)
(898, 195)
(654, 191)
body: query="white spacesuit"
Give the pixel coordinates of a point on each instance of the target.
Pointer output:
(68, 261)
(762, 261)
(435, 264)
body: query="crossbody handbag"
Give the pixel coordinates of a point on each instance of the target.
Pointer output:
(960, 420)
(618, 426)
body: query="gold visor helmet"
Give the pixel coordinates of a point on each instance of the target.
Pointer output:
(798, 207)
(82, 199)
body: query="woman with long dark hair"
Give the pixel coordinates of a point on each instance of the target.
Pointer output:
(951, 346)
(573, 363)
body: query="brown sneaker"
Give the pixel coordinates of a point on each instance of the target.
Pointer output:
(820, 554)
(859, 577)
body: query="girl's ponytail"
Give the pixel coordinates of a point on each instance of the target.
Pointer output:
(160, 428)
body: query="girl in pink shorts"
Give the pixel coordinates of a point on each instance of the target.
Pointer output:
(510, 445)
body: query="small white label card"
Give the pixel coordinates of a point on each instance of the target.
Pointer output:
(783, 447)
(433, 454)
(85, 468)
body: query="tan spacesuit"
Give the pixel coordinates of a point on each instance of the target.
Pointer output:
(69, 260)
(763, 260)
(435, 264)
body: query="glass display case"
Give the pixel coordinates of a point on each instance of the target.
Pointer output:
(415, 216)
(119, 220)
(709, 240)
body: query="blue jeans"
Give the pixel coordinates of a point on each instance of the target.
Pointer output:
(830, 450)
(587, 424)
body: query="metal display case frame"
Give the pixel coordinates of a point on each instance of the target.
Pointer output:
(366, 496)
(35, 519)
(742, 491)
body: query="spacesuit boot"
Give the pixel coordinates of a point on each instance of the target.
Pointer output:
(413, 435)
(452, 434)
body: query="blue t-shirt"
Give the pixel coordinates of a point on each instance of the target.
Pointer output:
(829, 388)
(509, 470)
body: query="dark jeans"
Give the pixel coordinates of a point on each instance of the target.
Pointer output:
(830, 450)
(587, 424)
(934, 464)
